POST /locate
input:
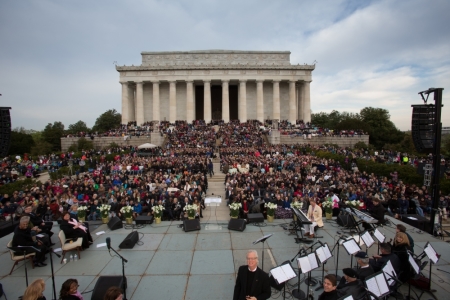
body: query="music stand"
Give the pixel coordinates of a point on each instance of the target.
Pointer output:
(377, 285)
(380, 237)
(283, 273)
(433, 258)
(323, 254)
(415, 268)
(262, 240)
(367, 239)
(352, 247)
(307, 264)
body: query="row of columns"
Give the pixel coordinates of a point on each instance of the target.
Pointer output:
(129, 112)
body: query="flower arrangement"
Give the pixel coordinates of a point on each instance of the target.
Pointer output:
(104, 210)
(127, 211)
(355, 204)
(271, 207)
(327, 205)
(191, 210)
(297, 205)
(82, 211)
(234, 209)
(157, 211)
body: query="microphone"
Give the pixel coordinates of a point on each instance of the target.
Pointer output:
(108, 244)
(302, 248)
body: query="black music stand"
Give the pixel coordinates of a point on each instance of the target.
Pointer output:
(352, 247)
(413, 267)
(377, 285)
(380, 237)
(433, 257)
(307, 264)
(323, 254)
(298, 293)
(262, 240)
(282, 274)
(367, 239)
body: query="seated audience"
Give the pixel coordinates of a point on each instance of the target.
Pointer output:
(113, 293)
(69, 290)
(74, 230)
(35, 291)
(25, 236)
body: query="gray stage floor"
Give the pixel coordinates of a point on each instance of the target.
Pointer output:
(171, 264)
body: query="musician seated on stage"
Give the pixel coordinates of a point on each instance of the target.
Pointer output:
(402, 228)
(364, 269)
(351, 285)
(26, 236)
(315, 216)
(329, 288)
(378, 261)
(376, 212)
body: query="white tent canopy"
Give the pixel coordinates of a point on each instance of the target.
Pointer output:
(147, 146)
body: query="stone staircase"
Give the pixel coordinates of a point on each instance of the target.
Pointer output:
(216, 186)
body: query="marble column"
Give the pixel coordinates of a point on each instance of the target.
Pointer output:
(225, 101)
(125, 103)
(131, 103)
(189, 101)
(242, 101)
(156, 113)
(207, 101)
(307, 102)
(276, 100)
(259, 101)
(172, 101)
(139, 103)
(292, 104)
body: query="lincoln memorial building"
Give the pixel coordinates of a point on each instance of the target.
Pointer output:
(215, 85)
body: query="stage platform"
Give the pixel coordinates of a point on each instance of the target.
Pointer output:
(169, 263)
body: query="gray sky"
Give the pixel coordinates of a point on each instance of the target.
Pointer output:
(56, 57)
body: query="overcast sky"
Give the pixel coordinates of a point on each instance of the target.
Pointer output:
(57, 57)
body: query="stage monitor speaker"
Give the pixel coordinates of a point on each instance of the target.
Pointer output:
(115, 223)
(237, 224)
(130, 240)
(422, 127)
(104, 283)
(345, 220)
(191, 225)
(256, 218)
(5, 131)
(144, 220)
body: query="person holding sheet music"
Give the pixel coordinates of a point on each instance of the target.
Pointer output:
(252, 283)
(379, 261)
(364, 269)
(315, 216)
(329, 288)
(351, 285)
(400, 248)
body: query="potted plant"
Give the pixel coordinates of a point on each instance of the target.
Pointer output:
(271, 207)
(157, 213)
(191, 210)
(234, 209)
(327, 205)
(127, 211)
(104, 211)
(82, 213)
(297, 205)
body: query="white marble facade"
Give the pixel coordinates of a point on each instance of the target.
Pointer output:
(163, 87)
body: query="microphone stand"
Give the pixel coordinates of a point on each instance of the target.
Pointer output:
(50, 250)
(337, 256)
(124, 279)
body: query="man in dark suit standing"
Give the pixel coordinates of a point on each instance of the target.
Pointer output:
(252, 283)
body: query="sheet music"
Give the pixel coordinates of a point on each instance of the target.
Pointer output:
(367, 238)
(351, 246)
(413, 264)
(283, 273)
(287, 269)
(380, 237)
(390, 272)
(308, 263)
(372, 286)
(382, 284)
(323, 253)
(377, 285)
(431, 253)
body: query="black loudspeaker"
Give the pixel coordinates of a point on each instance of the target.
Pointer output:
(144, 220)
(130, 241)
(237, 224)
(256, 218)
(115, 223)
(191, 225)
(345, 220)
(5, 131)
(422, 127)
(104, 283)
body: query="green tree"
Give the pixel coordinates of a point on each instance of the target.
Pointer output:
(382, 131)
(352, 123)
(41, 147)
(79, 126)
(20, 143)
(108, 120)
(52, 134)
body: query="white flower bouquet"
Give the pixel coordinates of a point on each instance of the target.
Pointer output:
(157, 211)
(297, 205)
(104, 210)
(191, 210)
(82, 211)
(271, 207)
(234, 209)
(127, 211)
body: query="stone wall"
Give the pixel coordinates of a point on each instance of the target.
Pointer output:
(102, 142)
(322, 140)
